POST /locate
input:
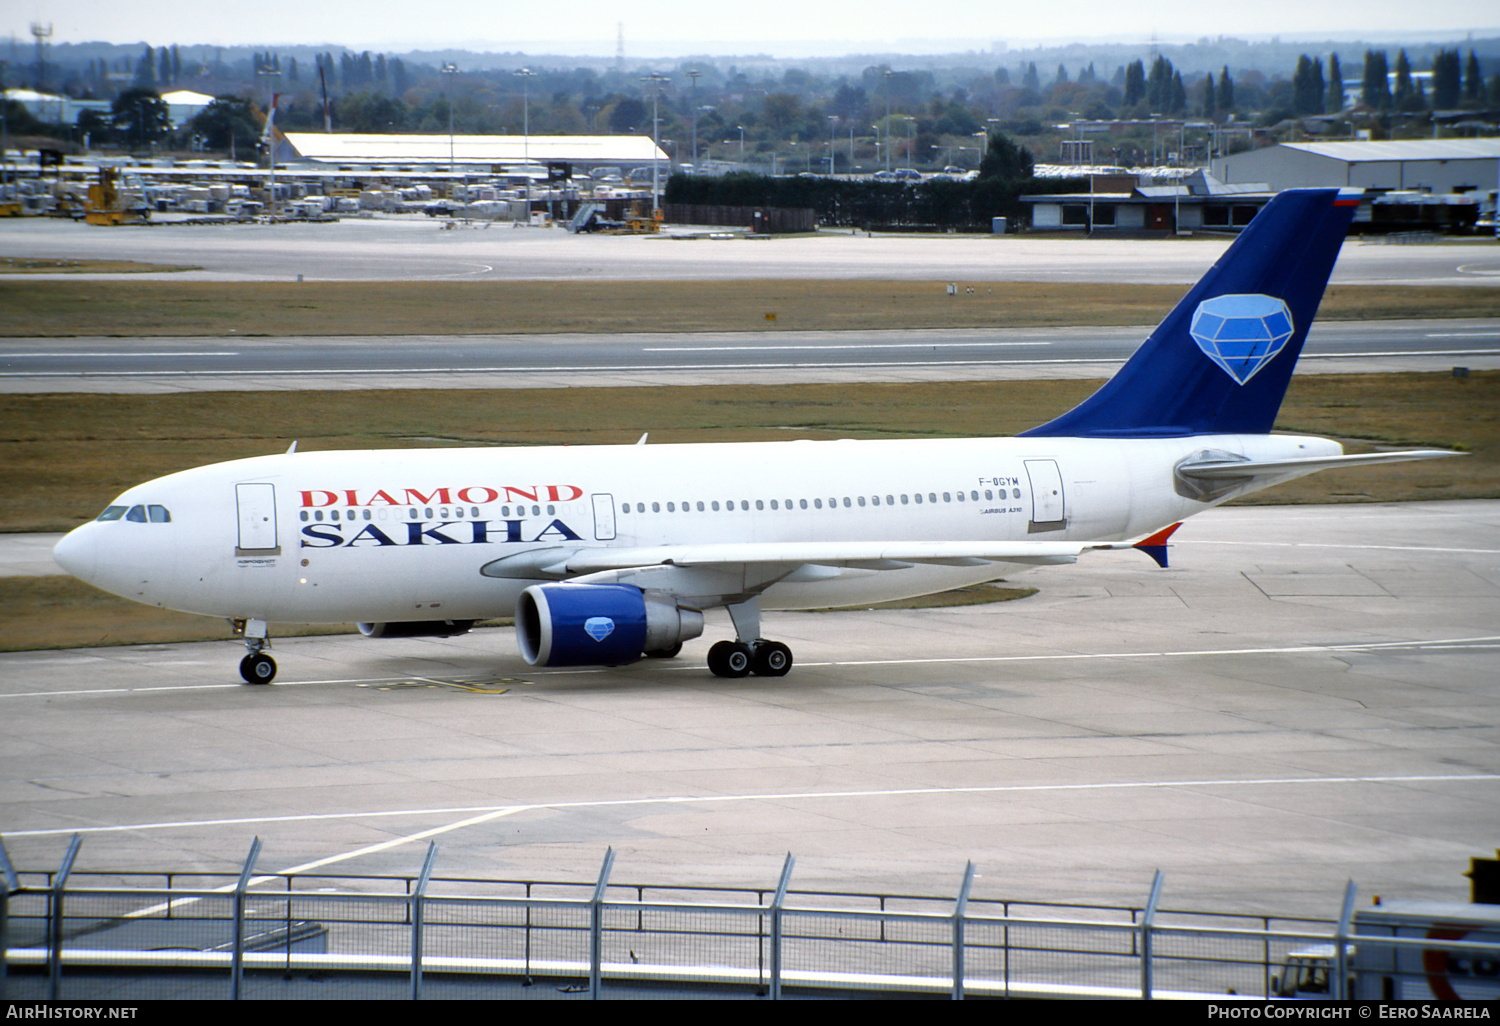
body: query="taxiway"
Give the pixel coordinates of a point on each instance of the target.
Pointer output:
(1308, 695)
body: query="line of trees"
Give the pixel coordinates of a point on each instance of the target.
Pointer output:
(1454, 83)
(911, 117)
(1005, 174)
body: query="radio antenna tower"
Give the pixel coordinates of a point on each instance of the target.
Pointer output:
(619, 46)
(42, 33)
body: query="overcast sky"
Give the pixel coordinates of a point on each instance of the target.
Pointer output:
(777, 27)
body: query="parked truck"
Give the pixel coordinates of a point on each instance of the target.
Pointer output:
(1405, 951)
(1460, 962)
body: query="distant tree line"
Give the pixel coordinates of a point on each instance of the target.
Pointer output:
(1005, 176)
(878, 116)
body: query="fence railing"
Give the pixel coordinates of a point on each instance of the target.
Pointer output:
(67, 934)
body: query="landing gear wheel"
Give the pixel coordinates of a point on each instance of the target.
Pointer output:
(258, 668)
(665, 653)
(772, 659)
(730, 659)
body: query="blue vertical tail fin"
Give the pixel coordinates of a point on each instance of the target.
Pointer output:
(1221, 360)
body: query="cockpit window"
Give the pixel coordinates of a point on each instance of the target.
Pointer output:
(137, 515)
(112, 513)
(159, 514)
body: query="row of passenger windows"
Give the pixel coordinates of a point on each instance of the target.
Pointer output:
(833, 503)
(416, 514)
(138, 514)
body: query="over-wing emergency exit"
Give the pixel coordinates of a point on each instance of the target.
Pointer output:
(607, 554)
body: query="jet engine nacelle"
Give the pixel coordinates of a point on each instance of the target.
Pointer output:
(599, 624)
(416, 629)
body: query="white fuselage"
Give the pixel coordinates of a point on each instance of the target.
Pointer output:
(394, 535)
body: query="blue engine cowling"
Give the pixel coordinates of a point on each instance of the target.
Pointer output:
(598, 624)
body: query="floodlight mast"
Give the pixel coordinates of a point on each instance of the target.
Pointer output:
(695, 74)
(272, 72)
(526, 75)
(450, 70)
(889, 74)
(656, 78)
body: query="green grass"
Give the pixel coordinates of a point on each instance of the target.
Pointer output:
(64, 456)
(60, 612)
(39, 265)
(167, 308)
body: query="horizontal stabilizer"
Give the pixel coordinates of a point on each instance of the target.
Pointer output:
(1229, 470)
(1156, 545)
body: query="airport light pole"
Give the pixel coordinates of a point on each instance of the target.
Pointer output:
(450, 70)
(742, 146)
(833, 124)
(889, 74)
(270, 73)
(694, 75)
(656, 79)
(526, 75)
(911, 138)
(4, 128)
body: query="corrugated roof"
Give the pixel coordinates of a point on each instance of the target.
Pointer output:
(348, 148)
(187, 96)
(1409, 149)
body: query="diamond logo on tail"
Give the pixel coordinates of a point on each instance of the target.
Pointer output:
(598, 627)
(1241, 333)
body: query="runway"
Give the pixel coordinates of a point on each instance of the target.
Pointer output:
(516, 361)
(420, 248)
(1308, 695)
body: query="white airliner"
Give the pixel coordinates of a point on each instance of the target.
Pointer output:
(606, 554)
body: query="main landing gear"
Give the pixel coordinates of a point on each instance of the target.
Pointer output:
(748, 653)
(740, 659)
(256, 667)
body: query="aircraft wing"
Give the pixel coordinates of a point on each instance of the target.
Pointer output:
(894, 555)
(866, 555)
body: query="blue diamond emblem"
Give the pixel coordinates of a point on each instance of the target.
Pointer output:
(598, 627)
(1241, 333)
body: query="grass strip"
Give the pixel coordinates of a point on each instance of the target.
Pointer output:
(192, 308)
(64, 456)
(39, 613)
(63, 612)
(46, 265)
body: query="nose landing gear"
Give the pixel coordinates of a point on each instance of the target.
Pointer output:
(256, 667)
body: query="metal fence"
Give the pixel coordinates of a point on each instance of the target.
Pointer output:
(73, 936)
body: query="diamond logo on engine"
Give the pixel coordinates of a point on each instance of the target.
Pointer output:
(598, 627)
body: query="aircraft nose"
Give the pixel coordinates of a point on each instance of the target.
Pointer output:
(78, 552)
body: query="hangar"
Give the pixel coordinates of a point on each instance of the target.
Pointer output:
(349, 150)
(1434, 166)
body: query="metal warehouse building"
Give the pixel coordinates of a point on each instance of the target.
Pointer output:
(1435, 166)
